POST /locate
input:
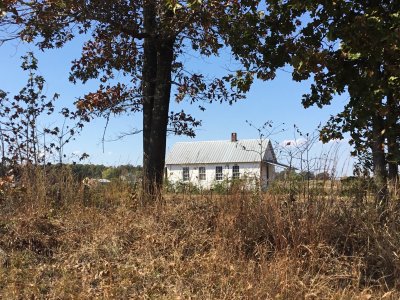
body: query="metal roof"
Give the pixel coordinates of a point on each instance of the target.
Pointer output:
(220, 152)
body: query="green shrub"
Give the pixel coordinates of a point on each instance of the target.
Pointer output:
(356, 187)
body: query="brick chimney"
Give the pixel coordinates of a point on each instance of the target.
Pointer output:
(233, 137)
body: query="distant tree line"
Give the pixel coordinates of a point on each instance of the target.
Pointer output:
(305, 175)
(125, 172)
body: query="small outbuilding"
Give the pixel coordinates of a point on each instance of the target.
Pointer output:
(207, 163)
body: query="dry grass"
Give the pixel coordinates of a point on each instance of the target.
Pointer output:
(230, 247)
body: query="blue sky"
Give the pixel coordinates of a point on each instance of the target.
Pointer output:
(277, 100)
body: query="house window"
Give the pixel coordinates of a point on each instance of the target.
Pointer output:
(202, 173)
(218, 173)
(185, 174)
(235, 172)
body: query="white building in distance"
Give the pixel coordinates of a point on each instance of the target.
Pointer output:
(207, 163)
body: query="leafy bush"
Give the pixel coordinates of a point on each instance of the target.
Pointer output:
(220, 187)
(182, 187)
(356, 187)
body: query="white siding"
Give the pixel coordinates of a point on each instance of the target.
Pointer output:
(251, 171)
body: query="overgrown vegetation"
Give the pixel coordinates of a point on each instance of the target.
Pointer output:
(58, 242)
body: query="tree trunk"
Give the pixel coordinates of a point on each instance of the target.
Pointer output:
(148, 88)
(158, 133)
(157, 69)
(392, 133)
(378, 158)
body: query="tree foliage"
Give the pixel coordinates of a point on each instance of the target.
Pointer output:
(343, 47)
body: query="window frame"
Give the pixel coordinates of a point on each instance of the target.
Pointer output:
(185, 174)
(236, 172)
(202, 173)
(219, 175)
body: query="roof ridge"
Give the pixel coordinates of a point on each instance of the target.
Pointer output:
(213, 141)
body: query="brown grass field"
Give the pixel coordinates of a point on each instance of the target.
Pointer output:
(59, 242)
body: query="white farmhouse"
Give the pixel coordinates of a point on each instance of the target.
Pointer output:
(209, 162)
